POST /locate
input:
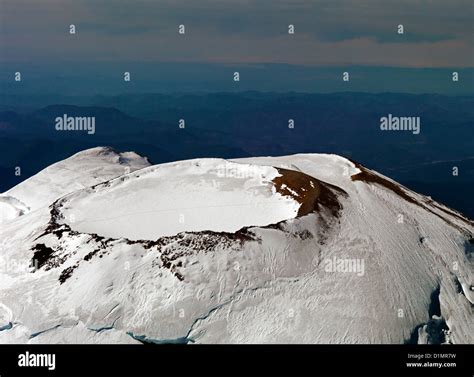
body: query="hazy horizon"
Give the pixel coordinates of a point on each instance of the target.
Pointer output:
(220, 38)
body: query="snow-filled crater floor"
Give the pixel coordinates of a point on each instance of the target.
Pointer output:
(214, 195)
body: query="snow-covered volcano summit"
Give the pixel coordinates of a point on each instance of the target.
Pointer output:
(102, 247)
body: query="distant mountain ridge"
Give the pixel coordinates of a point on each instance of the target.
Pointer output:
(232, 125)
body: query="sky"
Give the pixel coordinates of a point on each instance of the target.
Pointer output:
(118, 35)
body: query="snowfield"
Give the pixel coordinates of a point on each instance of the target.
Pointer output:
(104, 248)
(82, 170)
(197, 195)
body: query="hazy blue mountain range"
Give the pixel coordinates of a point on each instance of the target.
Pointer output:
(231, 125)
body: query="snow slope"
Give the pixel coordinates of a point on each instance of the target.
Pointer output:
(10, 208)
(338, 254)
(81, 170)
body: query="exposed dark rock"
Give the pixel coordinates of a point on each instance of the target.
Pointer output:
(42, 255)
(66, 273)
(309, 192)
